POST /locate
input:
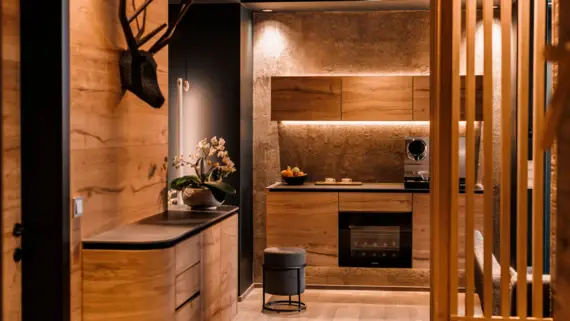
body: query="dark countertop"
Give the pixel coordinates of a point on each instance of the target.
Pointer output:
(365, 187)
(159, 231)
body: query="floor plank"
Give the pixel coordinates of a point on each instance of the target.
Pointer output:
(349, 305)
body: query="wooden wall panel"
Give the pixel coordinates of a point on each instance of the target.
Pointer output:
(305, 220)
(305, 98)
(377, 98)
(375, 202)
(115, 137)
(11, 179)
(109, 275)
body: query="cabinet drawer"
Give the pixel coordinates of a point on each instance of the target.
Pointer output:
(375, 202)
(189, 311)
(187, 254)
(187, 284)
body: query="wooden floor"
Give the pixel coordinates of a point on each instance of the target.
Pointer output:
(349, 305)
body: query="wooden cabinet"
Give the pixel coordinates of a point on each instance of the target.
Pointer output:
(375, 202)
(193, 280)
(305, 220)
(377, 98)
(219, 272)
(421, 228)
(421, 94)
(305, 98)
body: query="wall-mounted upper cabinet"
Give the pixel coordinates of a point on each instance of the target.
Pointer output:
(377, 98)
(422, 97)
(305, 98)
(361, 98)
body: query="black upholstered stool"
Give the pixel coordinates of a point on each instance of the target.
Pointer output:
(284, 274)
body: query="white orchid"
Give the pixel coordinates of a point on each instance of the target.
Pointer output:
(207, 162)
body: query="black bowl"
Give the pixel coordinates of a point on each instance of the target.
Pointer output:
(295, 180)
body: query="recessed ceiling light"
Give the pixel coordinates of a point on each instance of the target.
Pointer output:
(267, 10)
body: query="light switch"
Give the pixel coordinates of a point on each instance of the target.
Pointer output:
(77, 207)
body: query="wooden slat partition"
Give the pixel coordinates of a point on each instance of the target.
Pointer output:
(522, 147)
(488, 155)
(454, 168)
(441, 54)
(471, 17)
(498, 318)
(539, 85)
(505, 185)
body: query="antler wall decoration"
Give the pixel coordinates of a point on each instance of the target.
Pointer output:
(138, 67)
(559, 102)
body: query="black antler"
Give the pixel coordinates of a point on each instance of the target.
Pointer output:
(163, 41)
(138, 67)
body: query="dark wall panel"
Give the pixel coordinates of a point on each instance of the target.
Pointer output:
(212, 49)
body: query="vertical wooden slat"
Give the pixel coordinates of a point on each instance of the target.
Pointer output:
(471, 21)
(522, 156)
(441, 54)
(505, 187)
(454, 165)
(539, 85)
(488, 155)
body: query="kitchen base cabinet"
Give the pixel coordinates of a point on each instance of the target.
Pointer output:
(195, 279)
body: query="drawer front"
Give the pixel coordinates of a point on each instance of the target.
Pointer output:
(190, 311)
(375, 202)
(187, 254)
(187, 284)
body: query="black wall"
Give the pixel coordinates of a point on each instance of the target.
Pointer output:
(212, 49)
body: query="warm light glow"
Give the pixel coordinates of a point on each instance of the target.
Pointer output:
(267, 10)
(341, 122)
(377, 123)
(272, 42)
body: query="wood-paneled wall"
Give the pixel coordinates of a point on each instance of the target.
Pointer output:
(116, 139)
(11, 209)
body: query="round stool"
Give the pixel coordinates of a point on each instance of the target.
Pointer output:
(284, 274)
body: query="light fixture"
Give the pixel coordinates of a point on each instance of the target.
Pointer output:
(267, 10)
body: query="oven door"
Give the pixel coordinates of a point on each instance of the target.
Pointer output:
(375, 240)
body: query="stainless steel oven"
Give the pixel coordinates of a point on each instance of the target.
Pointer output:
(375, 240)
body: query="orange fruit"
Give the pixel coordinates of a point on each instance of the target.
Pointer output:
(300, 174)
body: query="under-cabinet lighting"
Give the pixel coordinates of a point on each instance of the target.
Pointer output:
(267, 10)
(342, 122)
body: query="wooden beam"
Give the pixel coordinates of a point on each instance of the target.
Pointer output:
(505, 185)
(522, 156)
(471, 24)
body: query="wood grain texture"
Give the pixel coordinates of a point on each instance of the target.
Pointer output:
(334, 275)
(422, 98)
(187, 253)
(305, 220)
(229, 268)
(115, 137)
(189, 311)
(211, 273)
(305, 98)
(11, 168)
(377, 98)
(421, 228)
(187, 284)
(122, 285)
(375, 202)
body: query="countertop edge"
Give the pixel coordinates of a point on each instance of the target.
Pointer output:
(156, 245)
(278, 187)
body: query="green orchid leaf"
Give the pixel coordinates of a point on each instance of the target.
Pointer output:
(183, 182)
(221, 186)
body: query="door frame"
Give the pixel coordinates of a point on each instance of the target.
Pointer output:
(45, 139)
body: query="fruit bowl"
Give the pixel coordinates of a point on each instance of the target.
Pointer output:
(295, 180)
